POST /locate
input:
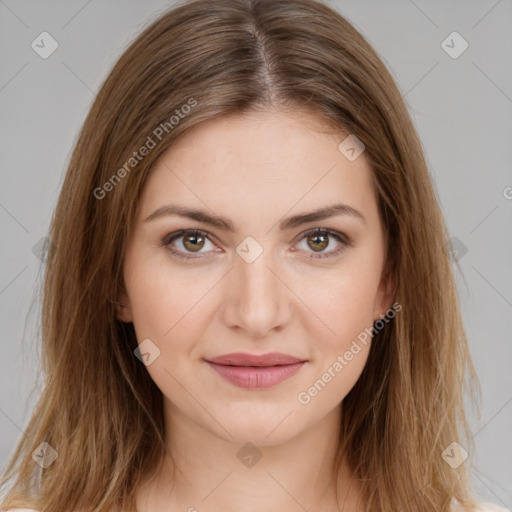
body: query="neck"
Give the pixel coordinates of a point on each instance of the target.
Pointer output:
(203, 471)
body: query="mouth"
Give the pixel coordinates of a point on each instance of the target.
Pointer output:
(256, 371)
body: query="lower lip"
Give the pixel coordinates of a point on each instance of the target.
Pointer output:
(256, 376)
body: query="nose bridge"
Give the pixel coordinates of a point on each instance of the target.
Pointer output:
(258, 301)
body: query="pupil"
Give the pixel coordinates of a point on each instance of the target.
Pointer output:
(323, 243)
(195, 245)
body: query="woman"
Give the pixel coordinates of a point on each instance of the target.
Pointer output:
(248, 300)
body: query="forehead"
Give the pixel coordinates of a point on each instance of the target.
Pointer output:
(259, 161)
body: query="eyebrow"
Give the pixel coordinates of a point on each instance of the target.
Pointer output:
(227, 225)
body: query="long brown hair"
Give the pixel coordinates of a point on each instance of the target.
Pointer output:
(99, 409)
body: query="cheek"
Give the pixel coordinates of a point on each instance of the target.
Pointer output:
(337, 367)
(166, 302)
(342, 301)
(152, 304)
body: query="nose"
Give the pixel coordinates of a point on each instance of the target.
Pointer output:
(256, 298)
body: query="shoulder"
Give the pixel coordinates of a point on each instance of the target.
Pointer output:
(491, 507)
(484, 506)
(19, 510)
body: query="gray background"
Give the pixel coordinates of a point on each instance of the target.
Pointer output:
(462, 109)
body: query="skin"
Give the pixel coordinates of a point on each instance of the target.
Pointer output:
(254, 169)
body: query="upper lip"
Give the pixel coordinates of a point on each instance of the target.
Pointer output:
(242, 359)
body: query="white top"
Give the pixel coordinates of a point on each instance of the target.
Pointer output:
(491, 507)
(486, 506)
(483, 506)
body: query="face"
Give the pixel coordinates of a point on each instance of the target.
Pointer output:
(255, 274)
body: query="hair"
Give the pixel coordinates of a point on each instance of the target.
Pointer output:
(99, 408)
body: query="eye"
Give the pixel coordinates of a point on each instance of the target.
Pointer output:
(320, 239)
(194, 240)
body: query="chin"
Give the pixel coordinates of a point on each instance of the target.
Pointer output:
(262, 426)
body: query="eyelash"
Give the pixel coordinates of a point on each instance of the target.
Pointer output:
(340, 237)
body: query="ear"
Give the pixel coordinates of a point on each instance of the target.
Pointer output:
(124, 311)
(385, 295)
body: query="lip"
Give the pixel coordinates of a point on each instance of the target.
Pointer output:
(256, 371)
(243, 359)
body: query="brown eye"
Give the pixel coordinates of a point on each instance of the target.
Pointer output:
(188, 243)
(318, 242)
(324, 243)
(193, 242)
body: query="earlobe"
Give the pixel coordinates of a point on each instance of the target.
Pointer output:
(385, 296)
(123, 313)
(123, 309)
